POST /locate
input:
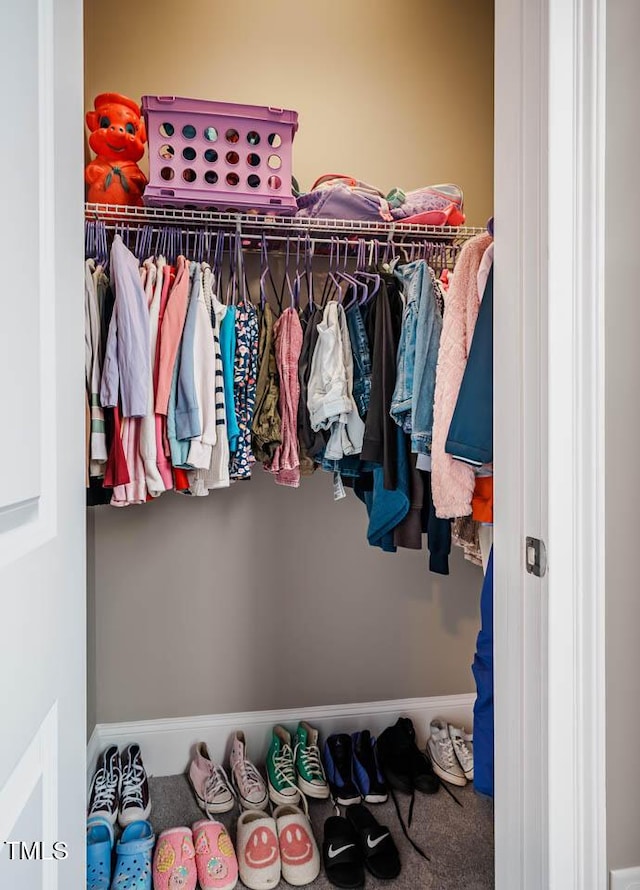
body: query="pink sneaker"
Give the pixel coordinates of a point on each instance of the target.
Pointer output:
(215, 857)
(210, 783)
(174, 866)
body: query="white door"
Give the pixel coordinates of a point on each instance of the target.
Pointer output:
(42, 562)
(549, 410)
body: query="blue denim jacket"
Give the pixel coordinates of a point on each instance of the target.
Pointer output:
(361, 359)
(412, 403)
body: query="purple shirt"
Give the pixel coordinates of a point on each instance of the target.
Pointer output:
(127, 360)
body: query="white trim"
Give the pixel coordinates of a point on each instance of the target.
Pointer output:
(520, 442)
(625, 878)
(167, 744)
(549, 287)
(577, 126)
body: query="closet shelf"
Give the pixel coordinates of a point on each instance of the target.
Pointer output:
(252, 224)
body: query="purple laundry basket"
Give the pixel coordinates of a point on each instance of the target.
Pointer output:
(219, 156)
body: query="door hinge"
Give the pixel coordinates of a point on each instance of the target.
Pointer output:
(536, 557)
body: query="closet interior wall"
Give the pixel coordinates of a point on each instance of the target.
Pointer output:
(622, 427)
(257, 596)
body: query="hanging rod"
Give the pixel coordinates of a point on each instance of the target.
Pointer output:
(253, 224)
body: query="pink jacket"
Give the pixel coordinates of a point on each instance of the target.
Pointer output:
(452, 480)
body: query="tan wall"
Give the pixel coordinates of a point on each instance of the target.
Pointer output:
(622, 369)
(260, 597)
(395, 92)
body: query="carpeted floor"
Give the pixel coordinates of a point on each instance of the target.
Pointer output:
(459, 840)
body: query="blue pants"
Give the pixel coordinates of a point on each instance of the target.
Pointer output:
(483, 708)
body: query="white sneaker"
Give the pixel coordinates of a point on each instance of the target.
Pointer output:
(463, 746)
(443, 757)
(249, 784)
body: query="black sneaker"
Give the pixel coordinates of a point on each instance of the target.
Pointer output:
(405, 767)
(338, 761)
(367, 773)
(104, 795)
(424, 778)
(135, 803)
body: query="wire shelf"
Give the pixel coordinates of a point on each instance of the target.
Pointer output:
(253, 224)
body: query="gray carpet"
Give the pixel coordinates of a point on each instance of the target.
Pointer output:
(459, 840)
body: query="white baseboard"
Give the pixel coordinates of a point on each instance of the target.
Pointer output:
(625, 879)
(167, 744)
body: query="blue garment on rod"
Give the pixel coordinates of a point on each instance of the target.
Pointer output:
(387, 508)
(483, 673)
(470, 436)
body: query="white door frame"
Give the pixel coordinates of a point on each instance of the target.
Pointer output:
(549, 419)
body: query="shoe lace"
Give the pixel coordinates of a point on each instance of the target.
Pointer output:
(249, 776)
(311, 760)
(133, 776)
(285, 770)
(446, 752)
(462, 750)
(106, 789)
(217, 783)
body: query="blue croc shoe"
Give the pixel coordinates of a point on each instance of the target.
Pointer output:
(99, 848)
(133, 863)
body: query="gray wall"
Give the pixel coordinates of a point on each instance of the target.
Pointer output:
(622, 432)
(263, 597)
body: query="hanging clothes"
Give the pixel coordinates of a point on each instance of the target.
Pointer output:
(266, 427)
(470, 437)
(148, 441)
(385, 324)
(97, 445)
(285, 465)
(228, 353)
(483, 731)
(216, 475)
(452, 481)
(163, 452)
(125, 374)
(244, 386)
(171, 333)
(412, 401)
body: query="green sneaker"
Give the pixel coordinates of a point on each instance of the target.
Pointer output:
(281, 772)
(311, 778)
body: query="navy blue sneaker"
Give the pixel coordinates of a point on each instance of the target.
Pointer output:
(338, 762)
(367, 773)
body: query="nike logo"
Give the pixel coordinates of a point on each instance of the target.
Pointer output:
(373, 844)
(331, 853)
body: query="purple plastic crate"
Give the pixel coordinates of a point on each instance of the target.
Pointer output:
(219, 155)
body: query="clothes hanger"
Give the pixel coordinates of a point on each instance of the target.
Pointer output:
(363, 273)
(90, 250)
(286, 281)
(297, 281)
(353, 283)
(331, 283)
(308, 273)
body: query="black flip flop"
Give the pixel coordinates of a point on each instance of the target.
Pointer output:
(377, 846)
(341, 854)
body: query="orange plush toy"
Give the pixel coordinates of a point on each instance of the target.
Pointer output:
(117, 136)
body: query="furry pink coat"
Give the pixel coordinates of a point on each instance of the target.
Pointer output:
(453, 481)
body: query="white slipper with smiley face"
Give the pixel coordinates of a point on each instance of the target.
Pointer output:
(258, 850)
(298, 848)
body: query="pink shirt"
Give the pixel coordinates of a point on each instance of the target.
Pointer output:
(171, 334)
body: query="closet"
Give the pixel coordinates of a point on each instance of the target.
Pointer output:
(258, 597)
